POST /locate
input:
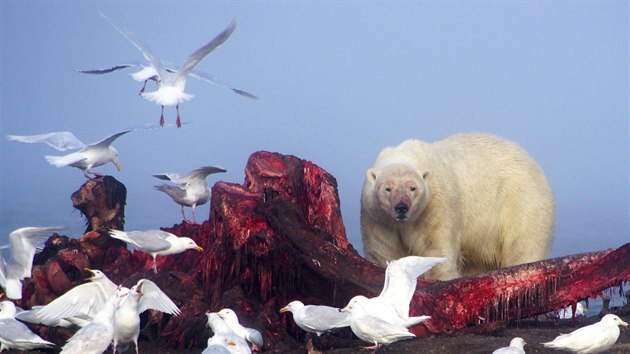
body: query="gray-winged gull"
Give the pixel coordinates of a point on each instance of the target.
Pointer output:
(190, 189)
(88, 157)
(317, 319)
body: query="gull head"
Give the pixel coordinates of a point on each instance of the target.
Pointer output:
(7, 309)
(292, 306)
(190, 244)
(355, 304)
(228, 315)
(96, 274)
(614, 319)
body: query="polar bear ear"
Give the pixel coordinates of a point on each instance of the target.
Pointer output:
(371, 174)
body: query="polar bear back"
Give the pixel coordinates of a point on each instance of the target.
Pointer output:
(494, 197)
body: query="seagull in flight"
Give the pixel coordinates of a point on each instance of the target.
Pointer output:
(189, 190)
(171, 82)
(86, 158)
(24, 244)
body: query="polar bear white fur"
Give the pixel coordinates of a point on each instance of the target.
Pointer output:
(477, 199)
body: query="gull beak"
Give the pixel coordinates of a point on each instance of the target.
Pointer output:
(116, 163)
(283, 310)
(231, 343)
(623, 323)
(345, 309)
(199, 248)
(91, 271)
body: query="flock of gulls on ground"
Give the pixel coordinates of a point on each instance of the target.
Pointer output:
(109, 314)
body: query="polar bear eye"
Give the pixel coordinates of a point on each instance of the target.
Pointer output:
(388, 189)
(413, 189)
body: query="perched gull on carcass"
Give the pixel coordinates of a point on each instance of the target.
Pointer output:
(594, 338)
(171, 83)
(78, 305)
(224, 336)
(317, 319)
(24, 242)
(517, 346)
(373, 329)
(97, 335)
(191, 189)
(14, 334)
(251, 335)
(156, 242)
(142, 296)
(401, 278)
(88, 157)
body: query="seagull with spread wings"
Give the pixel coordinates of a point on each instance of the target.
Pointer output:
(86, 158)
(171, 82)
(189, 190)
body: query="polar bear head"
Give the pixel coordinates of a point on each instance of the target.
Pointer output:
(400, 190)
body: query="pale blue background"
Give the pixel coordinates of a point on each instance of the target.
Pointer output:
(337, 81)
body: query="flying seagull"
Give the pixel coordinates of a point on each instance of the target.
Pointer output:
(86, 158)
(171, 82)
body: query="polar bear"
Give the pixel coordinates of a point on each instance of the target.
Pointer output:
(479, 200)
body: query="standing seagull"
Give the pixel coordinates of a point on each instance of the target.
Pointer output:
(317, 319)
(86, 158)
(14, 334)
(171, 83)
(191, 189)
(24, 243)
(156, 242)
(142, 296)
(373, 329)
(401, 277)
(594, 338)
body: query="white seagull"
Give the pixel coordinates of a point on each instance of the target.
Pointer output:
(14, 334)
(224, 336)
(251, 335)
(401, 278)
(171, 83)
(190, 190)
(142, 296)
(88, 157)
(594, 338)
(148, 73)
(24, 244)
(317, 319)
(517, 346)
(156, 242)
(373, 329)
(96, 336)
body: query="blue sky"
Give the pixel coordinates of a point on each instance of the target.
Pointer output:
(337, 82)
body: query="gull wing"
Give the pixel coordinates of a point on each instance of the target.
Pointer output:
(154, 298)
(169, 176)
(322, 318)
(14, 331)
(147, 241)
(200, 53)
(3, 274)
(401, 278)
(61, 141)
(110, 139)
(146, 52)
(24, 242)
(82, 300)
(106, 70)
(201, 173)
(200, 75)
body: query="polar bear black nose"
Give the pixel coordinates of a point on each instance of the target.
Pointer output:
(401, 208)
